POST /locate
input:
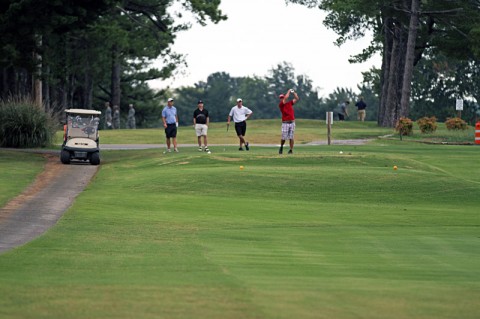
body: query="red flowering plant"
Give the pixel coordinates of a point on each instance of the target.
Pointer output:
(404, 126)
(427, 124)
(456, 124)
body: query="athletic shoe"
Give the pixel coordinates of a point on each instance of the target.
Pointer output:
(200, 149)
(176, 150)
(280, 151)
(290, 152)
(167, 151)
(206, 149)
(240, 149)
(246, 147)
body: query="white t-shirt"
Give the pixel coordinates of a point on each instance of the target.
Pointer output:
(239, 114)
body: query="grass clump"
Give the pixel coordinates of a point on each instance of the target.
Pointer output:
(23, 124)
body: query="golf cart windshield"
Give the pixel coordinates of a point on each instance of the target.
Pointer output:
(82, 123)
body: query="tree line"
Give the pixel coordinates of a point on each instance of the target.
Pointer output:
(405, 33)
(260, 93)
(83, 53)
(80, 53)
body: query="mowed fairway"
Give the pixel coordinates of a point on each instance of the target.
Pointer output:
(315, 235)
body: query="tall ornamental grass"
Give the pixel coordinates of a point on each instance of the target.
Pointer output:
(23, 124)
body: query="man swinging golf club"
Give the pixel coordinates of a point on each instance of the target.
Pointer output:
(240, 114)
(288, 119)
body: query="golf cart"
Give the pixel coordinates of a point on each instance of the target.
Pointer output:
(80, 139)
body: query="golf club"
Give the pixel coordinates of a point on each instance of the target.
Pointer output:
(226, 136)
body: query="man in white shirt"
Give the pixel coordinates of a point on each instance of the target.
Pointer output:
(240, 116)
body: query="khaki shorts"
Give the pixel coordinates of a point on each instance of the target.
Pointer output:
(361, 115)
(201, 129)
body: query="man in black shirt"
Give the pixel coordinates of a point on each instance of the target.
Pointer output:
(200, 122)
(361, 109)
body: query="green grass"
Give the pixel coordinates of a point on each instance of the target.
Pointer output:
(315, 235)
(17, 171)
(441, 135)
(268, 132)
(258, 131)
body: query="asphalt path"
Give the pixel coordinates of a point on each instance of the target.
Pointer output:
(43, 203)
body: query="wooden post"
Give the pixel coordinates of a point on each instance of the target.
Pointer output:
(329, 127)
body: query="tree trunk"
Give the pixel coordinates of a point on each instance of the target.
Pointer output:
(391, 98)
(393, 70)
(88, 91)
(116, 70)
(37, 76)
(384, 75)
(409, 59)
(46, 89)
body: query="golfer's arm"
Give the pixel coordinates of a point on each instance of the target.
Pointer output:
(164, 121)
(296, 97)
(248, 116)
(208, 120)
(228, 119)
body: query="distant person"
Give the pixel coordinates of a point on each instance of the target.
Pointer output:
(170, 123)
(288, 119)
(342, 110)
(108, 116)
(116, 117)
(131, 123)
(361, 106)
(240, 114)
(201, 121)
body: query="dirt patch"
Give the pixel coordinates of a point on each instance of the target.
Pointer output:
(41, 205)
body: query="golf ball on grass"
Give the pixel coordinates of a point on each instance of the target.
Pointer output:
(395, 167)
(209, 152)
(241, 167)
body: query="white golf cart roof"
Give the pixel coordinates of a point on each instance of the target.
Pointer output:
(83, 111)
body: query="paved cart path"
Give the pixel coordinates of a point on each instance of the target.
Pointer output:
(41, 205)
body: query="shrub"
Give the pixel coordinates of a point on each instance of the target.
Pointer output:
(456, 124)
(404, 126)
(427, 124)
(23, 124)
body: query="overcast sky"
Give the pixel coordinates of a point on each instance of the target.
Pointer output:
(258, 35)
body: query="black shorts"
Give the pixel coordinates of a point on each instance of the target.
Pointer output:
(241, 128)
(171, 130)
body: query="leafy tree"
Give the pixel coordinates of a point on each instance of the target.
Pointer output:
(221, 92)
(439, 81)
(402, 31)
(256, 95)
(338, 96)
(281, 78)
(186, 99)
(92, 51)
(259, 93)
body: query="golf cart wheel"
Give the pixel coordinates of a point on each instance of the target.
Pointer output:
(65, 157)
(95, 158)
